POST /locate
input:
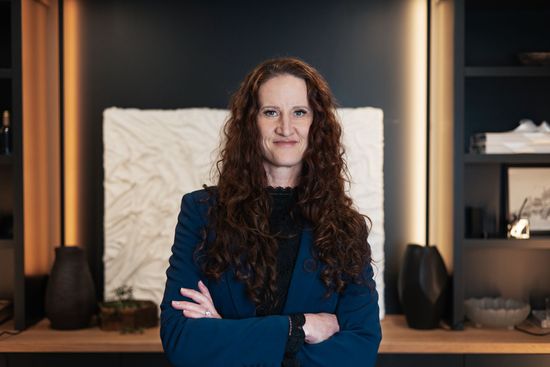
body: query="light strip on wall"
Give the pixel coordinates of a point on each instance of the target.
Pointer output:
(416, 111)
(441, 129)
(71, 82)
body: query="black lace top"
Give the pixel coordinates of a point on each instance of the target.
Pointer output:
(286, 225)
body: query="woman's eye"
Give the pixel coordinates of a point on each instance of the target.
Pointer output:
(300, 113)
(270, 113)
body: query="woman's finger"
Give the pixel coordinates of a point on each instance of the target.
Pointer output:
(189, 306)
(194, 295)
(204, 290)
(193, 314)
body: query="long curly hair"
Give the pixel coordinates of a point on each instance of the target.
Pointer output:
(240, 216)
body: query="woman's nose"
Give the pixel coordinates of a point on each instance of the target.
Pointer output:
(285, 126)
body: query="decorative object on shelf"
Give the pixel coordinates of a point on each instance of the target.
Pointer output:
(5, 140)
(529, 198)
(534, 58)
(6, 310)
(541, 317)
(530, 326)
(422, 286)
(519, 229)
(519, 226)
(526, 138)
(127, 314)
(70, 294)
(496, 312)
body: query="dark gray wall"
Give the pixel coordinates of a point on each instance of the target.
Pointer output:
(170, 54)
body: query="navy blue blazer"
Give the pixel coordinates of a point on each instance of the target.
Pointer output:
(241, 338)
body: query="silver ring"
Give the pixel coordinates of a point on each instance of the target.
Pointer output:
(207, 313)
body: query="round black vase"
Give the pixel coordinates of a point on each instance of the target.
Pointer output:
(70, 294)
(422, 285)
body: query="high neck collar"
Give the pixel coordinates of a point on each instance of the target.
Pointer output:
(279, 190)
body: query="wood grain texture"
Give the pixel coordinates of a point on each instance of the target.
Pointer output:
(397, 338)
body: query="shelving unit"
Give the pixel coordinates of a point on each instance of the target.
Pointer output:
(492, 93)
(29, 186)
(11, 201)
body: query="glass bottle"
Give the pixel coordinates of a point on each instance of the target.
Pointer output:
(5, 136)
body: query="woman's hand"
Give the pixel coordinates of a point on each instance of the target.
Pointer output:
(202, 307)
(320, 326)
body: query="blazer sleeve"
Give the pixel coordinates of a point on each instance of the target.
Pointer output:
(257, 341)
(356, 344)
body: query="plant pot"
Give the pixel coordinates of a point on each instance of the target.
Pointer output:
(127, 315)
(422, 286)
(70, 293)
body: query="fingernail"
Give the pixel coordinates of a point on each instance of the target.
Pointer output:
(175, 303)
(200, 282)
(182, 289)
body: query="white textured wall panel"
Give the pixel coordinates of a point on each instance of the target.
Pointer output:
(152, 157)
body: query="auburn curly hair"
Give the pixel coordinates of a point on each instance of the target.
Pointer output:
(240, 216)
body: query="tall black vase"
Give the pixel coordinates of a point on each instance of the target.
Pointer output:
(422, 286)
(70, 294)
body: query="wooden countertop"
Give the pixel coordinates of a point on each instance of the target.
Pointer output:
(397, 338)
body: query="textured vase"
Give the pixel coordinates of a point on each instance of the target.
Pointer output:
(70, 294)
(422, 286)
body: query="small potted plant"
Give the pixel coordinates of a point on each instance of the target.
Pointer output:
(127, 314)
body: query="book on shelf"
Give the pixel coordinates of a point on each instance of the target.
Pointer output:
(526, 138)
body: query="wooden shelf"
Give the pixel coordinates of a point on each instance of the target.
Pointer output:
(5, 73)
(541, 243)
(507, 71)
(507, 158)
(398, 338)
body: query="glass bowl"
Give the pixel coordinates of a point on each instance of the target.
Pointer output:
(496, 312)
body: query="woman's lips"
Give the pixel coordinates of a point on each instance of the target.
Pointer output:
(284, 143)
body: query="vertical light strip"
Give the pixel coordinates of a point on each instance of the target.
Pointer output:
(71, 82)
(441, 131)
(416, 111)
(40, 134)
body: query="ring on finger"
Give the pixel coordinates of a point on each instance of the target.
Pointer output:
(207, 313)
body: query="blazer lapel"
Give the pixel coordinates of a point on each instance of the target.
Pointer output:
(305, 272)
(243, 306)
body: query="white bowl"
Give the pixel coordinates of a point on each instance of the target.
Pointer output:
(496, 312)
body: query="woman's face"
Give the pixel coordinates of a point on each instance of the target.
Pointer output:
(284, 119)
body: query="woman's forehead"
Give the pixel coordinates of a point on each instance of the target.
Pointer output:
(283, 89)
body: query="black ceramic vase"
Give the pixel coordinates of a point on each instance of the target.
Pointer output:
(70, 294)
(422, 286)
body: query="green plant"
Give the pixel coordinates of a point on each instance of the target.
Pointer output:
(124, 298)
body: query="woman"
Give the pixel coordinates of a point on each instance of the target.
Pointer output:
(272, 266)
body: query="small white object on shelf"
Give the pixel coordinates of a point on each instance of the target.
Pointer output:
(526, 138)
(496, 312)
(542, 317)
